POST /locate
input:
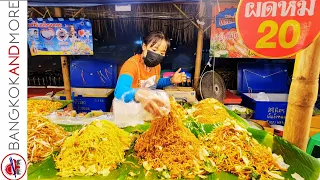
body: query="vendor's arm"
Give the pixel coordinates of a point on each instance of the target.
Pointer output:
(123, 88)
(175, 79)
(124, 85)
(163, 82)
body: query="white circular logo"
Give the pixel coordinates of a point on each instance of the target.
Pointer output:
(13, 166)
(62, 34)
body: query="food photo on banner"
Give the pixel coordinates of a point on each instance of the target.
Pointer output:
(60, 36)
(225, 41)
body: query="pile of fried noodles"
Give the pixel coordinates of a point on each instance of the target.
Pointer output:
(97, 148)
(43, 107)
(209, 111)
(231, 148)
(44, 137)
(169, 146)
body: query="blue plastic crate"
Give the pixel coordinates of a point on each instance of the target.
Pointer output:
(89, 99)
(92, 73)
(271, 78)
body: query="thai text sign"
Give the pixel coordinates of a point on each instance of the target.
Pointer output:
(278, 28)
(60, 36)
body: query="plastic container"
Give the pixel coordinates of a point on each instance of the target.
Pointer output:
(92, 73)
(270, 78)
(242, 111)
(188, 83)
(314, 146)
(164, 70)
(90, 99)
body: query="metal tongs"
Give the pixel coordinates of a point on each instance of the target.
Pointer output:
(50, 95)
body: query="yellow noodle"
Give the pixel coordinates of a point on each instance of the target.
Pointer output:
(95, 149)
(209, 111)
(42, 107)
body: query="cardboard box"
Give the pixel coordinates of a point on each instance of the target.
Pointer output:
(182, 93)
(314, 131)
(315, 122)
(265, 125)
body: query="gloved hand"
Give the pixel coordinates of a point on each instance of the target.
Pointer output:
(178, 77)
(151, 102)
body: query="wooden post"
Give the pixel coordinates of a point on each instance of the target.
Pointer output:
(65, 66)
(199, 47)
(303, 95)
(186, 16)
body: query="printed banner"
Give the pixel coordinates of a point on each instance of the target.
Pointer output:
(278, 28)
(60, 36)
(225, 41)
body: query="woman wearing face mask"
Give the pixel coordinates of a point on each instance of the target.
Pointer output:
(143, 71)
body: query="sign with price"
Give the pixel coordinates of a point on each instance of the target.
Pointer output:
(278, 28)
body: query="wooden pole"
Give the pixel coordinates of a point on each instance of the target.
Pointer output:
(75, 15)
(65, 66)
(37, 11)
(303, 95)
(199, 47)
(186, 16)
(48, 11)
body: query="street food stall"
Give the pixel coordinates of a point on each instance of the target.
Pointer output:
(198, 140)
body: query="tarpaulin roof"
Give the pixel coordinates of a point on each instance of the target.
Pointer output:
(82, 3)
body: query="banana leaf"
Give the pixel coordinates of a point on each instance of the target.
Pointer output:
(71, 128)
(239, 119)
(64, 103)
(139, 129)
(300, 162)
(46, 170)
(316, 112)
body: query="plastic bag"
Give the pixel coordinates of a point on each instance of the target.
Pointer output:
(69, 120)
(133, 113)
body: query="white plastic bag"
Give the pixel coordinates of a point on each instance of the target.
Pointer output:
(68, 120)
(133, 113)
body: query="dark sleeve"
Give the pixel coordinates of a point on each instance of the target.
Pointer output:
(163, 82)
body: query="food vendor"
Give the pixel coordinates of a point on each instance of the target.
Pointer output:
(141, 72)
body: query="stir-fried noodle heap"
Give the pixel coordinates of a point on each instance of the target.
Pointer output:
(95, 149)
(44, 137)
(43, 107)
(168, 145)
(209, 111)
(230, 148)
